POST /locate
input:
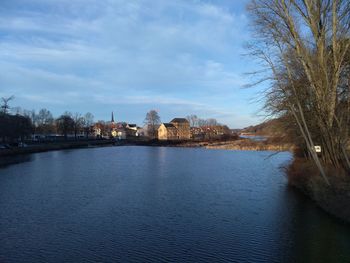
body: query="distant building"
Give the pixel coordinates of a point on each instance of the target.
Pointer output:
(167, 131)
(132, 126)
(116, 130)
(177, 129)
(211, 132)
(197, 133)
(121, 134)
(100, 130)
(112, 128)
(183, 128)
(97, 131)
(131, 130)
(121, 130)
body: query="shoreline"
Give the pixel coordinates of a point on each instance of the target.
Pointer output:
(334, 199)
(243, 144)
(250, 145)
(54, 146)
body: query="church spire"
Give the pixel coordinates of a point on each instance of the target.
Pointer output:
(112, 117)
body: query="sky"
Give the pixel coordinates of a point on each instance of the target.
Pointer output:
(178, 57)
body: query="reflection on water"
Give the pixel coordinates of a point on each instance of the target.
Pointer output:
(146, 204)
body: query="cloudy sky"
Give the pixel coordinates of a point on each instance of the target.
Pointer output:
(179, 57)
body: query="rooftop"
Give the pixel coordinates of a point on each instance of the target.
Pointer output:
(169, 125)
(180, 120)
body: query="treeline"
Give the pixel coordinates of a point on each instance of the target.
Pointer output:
(14, 127)
(18, 124)
(195, 121)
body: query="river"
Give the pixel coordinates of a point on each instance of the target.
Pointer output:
(158, 204)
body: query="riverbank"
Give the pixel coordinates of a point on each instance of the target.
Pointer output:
(245, 144)
(54, 146)
(333, 198)
(230, 144)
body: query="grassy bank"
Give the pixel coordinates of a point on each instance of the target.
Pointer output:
(229, 144)
(251, 145)
(333, 198)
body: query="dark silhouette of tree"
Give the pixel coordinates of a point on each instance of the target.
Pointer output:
(14, 127)
(44, 122)
(65, 124)
(21, 127)
(5, 104)
(78, 123)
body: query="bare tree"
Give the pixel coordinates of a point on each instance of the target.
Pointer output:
(193, 120)
(88, 121)
(65, 124)
(304, 44)
(207, 122)
(78, 123)
(5, 104)
(152, 120)
(212, 122)
(44, 121)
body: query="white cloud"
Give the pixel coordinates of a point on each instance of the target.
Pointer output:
(167, 52)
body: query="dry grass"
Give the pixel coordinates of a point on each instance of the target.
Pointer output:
(247, 144)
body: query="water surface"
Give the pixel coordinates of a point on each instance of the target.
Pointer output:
(149, 204)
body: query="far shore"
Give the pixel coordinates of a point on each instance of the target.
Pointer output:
(229, 144)
(54, 146)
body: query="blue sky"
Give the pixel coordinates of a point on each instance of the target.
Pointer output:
(179, 57)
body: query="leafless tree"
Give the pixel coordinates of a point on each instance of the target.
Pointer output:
(44, 121)
(207, 122)
(304, 44)
(78, 123)
(212, 122)
(193, 120)
(5, 104)
(65, 124)
(152, 120)
(88, 121)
